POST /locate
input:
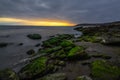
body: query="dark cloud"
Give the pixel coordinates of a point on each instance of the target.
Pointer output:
(72, 10)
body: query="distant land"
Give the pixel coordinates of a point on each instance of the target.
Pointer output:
(100, 24)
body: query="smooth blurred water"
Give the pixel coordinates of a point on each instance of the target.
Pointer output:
(17, 34)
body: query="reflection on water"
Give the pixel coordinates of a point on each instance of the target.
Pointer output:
(13, 53)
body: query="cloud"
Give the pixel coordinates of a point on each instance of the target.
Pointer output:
(71, 10)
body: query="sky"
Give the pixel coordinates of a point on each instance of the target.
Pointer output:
(63, 12)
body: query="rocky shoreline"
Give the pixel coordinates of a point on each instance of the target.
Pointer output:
(93, 56)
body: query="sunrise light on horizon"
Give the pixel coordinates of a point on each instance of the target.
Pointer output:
(35, 22)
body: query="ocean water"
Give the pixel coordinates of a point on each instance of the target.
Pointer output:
(17, 34)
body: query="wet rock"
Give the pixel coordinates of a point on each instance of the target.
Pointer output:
(77, 52)
(83, 78)
(85, 63)
(55, 41)
(37, 45)
(55, 76)
(111, 40)
(102, 70)
(31, 52)
(34, 36)
(20, 44)
(101, 56)
(3, 45)
(8, 74)
(36, 68)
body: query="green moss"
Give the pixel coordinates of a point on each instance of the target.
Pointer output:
(66, 43)
(37, 66)
(75, 51)
(56, 41)
(59, 54)
(34, 36)
(88, 38)
(8, 74)
(101, 70)
(51, 42)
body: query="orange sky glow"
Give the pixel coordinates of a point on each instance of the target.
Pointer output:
(37, 22)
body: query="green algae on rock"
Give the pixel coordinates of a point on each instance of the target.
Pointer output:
(78, 52)
(37, 66)
(8, 74)
(55, 41)
(102, 70)
(34, 36)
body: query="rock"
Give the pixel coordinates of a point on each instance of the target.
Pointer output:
(67, 43)
(3, 45)
(85, 63)
(20, 44)
(55, 76)
(101, 56)
(83, 78)
(31, 52)
(61, 63)
(34, 68)
(8, 74)
(34, 36)
(111, 40)
(102, 70)
(50, 50)
(55, 41)
(78, 52)
(37, 45)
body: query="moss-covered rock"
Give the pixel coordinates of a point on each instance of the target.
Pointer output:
(55, 76)
(59, 54)
(102, 70)
(8, 74)
(51, 42)
(78, 52)
(34, 68)
(55, 41)
(34, 36)
(67, 43)
(50, 50)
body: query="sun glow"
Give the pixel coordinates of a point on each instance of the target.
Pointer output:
(37, 22)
